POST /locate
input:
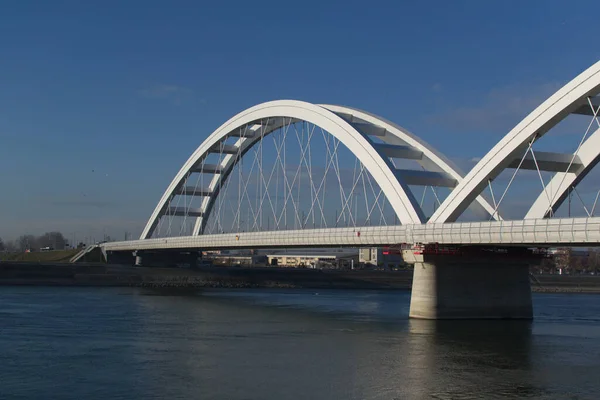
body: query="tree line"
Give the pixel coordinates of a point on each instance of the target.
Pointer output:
(571, 262)
(53, 240)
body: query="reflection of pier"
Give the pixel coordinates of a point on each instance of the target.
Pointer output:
(229, 336)
(447, 359)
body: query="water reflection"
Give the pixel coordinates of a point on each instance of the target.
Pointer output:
(473, 359)
(335, 345)
(230, 343)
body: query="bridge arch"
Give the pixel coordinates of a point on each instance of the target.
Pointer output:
(353, 128)
(579, 96)
(431, 160)
(557, 189)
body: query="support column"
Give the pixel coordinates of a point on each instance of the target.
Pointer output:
(476, 287)
(139, 259)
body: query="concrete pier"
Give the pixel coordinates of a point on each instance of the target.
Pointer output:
(462, 287)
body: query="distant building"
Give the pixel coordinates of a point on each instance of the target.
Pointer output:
(241, 260)
(371, 256)
(314, 258)
(334, 258)
(381, 257)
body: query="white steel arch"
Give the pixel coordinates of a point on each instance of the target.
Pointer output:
(557, 189)
(351, 127)
(274, 113)
(576, 95)
(430, 159)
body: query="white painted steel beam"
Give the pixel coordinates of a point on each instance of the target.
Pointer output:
(585, 108)
(192, 191)
(369, 129)
(183, 211)
(246, 131)
(399, 151)
(425, 178)
(207, 169)
(547, 161)
(347, 117)
(224, 148)
(266, 122)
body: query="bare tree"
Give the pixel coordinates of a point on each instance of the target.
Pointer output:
(55, 240)
(11, 247)
(2, 246)
(27, 242)
(594, 259)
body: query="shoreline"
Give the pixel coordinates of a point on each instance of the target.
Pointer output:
(103, 275)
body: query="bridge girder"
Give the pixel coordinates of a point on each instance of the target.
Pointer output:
(527, 233)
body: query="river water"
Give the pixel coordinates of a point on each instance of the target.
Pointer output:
(125, 343)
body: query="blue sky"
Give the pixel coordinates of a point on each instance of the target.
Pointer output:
(101, 102)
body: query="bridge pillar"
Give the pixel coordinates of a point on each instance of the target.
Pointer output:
(471, 286)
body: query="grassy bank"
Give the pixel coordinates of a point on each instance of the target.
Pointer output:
(45, 256)
(95, 274)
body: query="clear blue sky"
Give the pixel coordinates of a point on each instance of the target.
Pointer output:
(102, 101)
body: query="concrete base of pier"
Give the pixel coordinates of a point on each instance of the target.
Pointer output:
(463, 288)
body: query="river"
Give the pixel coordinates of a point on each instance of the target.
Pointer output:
(126, 343)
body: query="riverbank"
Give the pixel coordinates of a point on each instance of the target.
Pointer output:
(63, 274)
(214, 277)
(55, 256)
(565, 284)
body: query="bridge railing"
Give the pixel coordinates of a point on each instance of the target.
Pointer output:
(540, 232)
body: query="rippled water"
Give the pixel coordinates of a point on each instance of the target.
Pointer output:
(77, 343)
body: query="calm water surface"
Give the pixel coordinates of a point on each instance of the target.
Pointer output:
(77, 343)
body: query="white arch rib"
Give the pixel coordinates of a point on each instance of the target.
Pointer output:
(566, 100)
(558, 188)
(432, 160)
(398, 194)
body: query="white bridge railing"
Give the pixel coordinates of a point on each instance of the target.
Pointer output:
(535, 232)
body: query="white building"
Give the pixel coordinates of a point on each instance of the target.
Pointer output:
(314, 258)
(381, 257)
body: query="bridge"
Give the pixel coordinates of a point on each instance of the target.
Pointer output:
(534, 233)
(294, 174)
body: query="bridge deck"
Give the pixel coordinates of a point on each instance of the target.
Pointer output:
(534, 232)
